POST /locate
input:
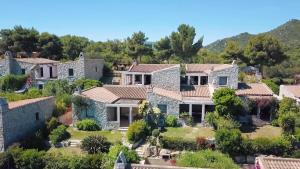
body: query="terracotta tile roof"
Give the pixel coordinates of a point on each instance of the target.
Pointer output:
(167, 93)
(36, 60)
(148, 68)
(128, 92)
(205, 68)
(195, 91)
(294, 89)
(253, 89)
(100, 94)
(278, 163)
(145, 166)
(20, 103)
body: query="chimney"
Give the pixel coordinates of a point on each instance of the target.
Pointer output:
(135, 62)
(9, 62)
(81, 56)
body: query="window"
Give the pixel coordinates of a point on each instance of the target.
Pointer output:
(162, 108)
(184, 80)
(138, 79)
(23, 71)
(147, 80)
(42, 72)
(96, 69)
(194, 80)
(222, 80)
(71, 72)
(37, 116)
(203, 80)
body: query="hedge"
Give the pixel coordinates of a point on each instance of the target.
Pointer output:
(176, 143)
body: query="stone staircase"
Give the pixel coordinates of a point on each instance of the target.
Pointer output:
(74, 143)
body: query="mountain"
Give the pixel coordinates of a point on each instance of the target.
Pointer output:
(288, 34)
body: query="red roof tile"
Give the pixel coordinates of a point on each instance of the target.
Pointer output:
(20, 103)
(36, 60)
(149, 68)
(167, 93)
(253, 89)
(195, 91)
(128, 92)
(100, 94)
(278, 163)
(205, 68)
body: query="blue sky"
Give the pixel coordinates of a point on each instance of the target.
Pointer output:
(118, 19)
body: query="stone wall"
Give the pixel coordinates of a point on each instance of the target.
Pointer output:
(97, 111)
(167, 79)
(18, 122)
(172, 104)
(93, 68)
(78, 69)
(231, 73)
(82, 68)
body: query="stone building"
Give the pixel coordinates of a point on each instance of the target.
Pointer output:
(165, 86)
(20, 118)
(41, 70)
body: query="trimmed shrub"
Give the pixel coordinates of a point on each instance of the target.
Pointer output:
(229, 141)
(95, 144)
(176, 143)
(91, 161)
(277, 146)
(29, 159)
(206, 159)
(12, 82)
(137, 130)
(131, 155)
(34, 93)
(287, 122)
(87, 125)
(171, 121)
(58, 134)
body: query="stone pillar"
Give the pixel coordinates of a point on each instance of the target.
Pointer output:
(258, 112)
(199, 80)
(9, 62)
(130, 115)
(190, 109)
(143, 79)
(118, 114)
(189, 80)
(203, 113)
(133, 79)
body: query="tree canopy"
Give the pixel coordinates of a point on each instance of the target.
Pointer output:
(183, 42)
(264, 50)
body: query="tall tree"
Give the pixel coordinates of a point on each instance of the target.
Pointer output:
(182, 42)
(136, 46)
(233, 51)
(264, 50)
(50, 46)
(19, 39)
(73, 45)
(163, 49)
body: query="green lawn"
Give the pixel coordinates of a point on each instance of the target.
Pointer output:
(66, 151)
(189, 132)
(193, 132)
(267, 131)
(112, 136)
